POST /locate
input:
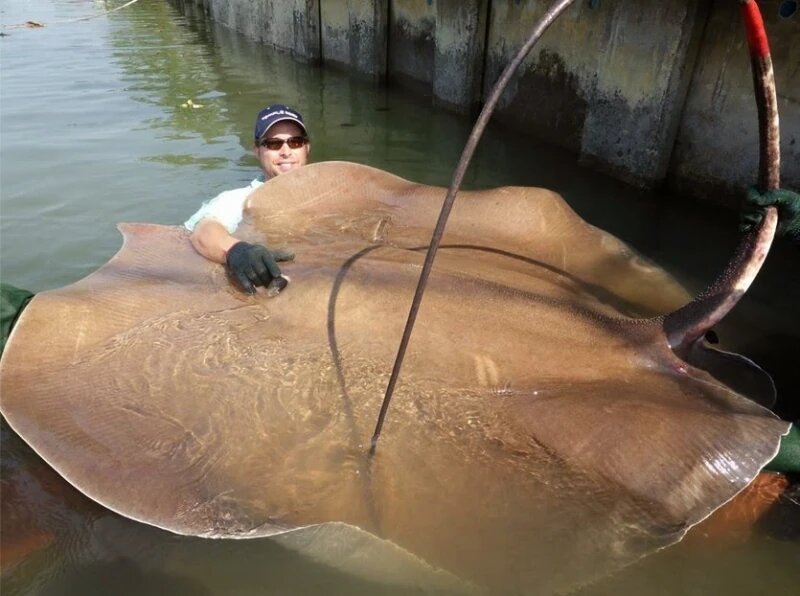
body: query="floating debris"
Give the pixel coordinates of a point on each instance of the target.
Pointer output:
(190, 104)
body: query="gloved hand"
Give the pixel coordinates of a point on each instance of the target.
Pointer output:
(254, 265)
(787, 203)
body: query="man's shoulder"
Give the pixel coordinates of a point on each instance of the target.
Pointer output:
(241, 192)
(226, 207)
(235, 191)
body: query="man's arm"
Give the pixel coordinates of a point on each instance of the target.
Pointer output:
(212, 240)
(251, 265)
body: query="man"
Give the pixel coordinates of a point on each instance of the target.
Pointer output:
(281, 144)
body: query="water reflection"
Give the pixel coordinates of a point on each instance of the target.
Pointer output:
(164, 66)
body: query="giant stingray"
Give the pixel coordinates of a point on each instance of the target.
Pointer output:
(549, 425)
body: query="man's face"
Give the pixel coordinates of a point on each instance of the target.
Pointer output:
(284, 159)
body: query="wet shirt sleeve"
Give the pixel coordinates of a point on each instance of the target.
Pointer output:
(225, 208)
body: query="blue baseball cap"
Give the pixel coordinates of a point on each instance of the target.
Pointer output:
(274, 114)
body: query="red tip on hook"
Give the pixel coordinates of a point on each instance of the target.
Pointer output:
(754, 26)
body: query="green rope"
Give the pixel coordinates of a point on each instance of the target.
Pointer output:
(12, 302)
(787, 203)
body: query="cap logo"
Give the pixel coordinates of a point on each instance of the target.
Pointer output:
(277, 113)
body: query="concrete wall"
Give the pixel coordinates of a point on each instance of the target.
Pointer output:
(288, 25)
(600, 82)
(412, 27)
(651, 91)
(354, 34)
(461, 27)
(717, 145)
(440, 45)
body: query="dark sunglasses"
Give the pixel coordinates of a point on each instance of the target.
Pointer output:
(275, 143)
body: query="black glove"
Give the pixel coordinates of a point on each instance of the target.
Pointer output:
(787, 203)
(253, 265)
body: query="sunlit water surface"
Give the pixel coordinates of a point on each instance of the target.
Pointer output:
(95, 132)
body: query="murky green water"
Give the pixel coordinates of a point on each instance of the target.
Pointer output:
(93, 132)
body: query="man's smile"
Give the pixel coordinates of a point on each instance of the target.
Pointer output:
(285, 166)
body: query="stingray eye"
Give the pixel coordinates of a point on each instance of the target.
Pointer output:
(712, 337)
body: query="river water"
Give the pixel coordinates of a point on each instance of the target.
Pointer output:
(96, 129)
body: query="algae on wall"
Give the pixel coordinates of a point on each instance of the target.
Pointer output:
(652, 92)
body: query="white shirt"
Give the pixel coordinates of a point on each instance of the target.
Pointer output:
(226, 207)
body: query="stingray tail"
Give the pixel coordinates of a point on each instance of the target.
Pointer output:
(689, 324)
